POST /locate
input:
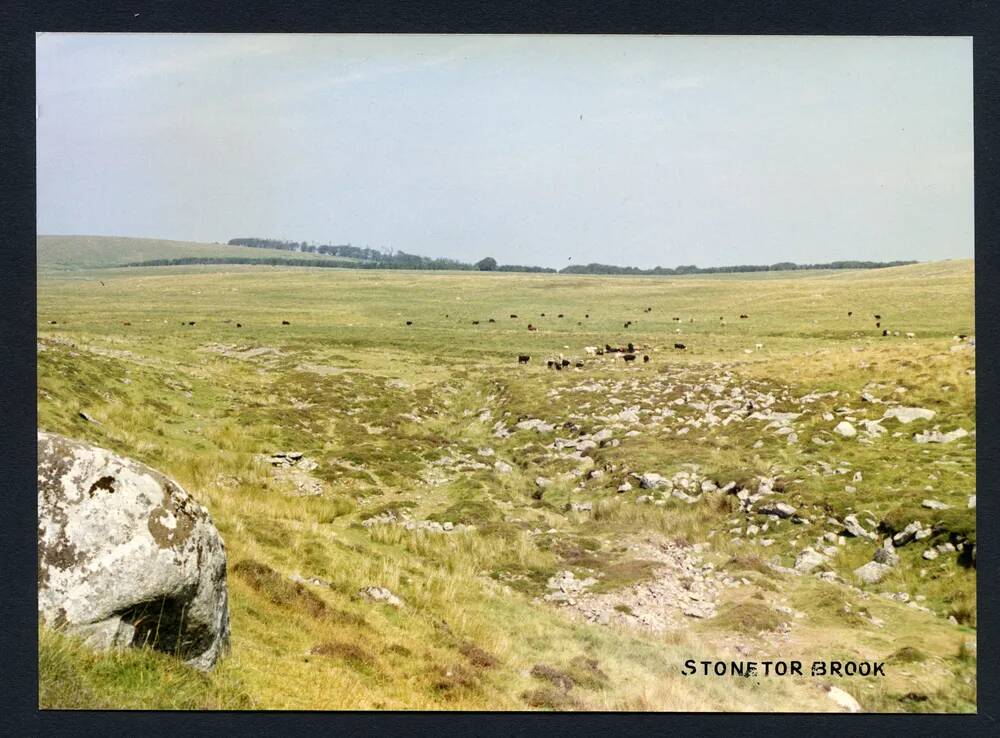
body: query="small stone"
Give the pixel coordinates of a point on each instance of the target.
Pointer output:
(845, 429)
(872, 572)
(934, 505)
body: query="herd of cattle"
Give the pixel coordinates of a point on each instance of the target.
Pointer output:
(628, 353)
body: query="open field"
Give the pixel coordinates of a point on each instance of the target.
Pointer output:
(406, 429)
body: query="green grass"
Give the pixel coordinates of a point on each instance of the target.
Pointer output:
(391, 415)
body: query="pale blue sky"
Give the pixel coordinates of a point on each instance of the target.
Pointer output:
(637, 151)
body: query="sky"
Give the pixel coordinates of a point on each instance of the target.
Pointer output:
(546, 150)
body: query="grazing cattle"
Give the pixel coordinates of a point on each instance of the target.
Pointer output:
(523, 359)
(885, 332)
(744, 316)
(600, 352)
(878, 325)
(512, 315)
(560, 315)
(677, 319)
(52, 322)
(628, 323)
(285, 322)
(531, 327)
(645, 358)
(491, 321)
(758, 346)
(586, 315)
(911, 335)
(579, 365)
(850, 313)
(631, 348)
(679, 346)
(190, 322)
(558, 366)
(878, 317)
(126, 323)
(239, 325)
(409, 322)
(542, 315)
(475, 322)
(628, 357)
(610, 349)
(565, 362)
(961, 336)
(895, 333)
(549, 363)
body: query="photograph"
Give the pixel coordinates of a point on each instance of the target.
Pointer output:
(510, 373)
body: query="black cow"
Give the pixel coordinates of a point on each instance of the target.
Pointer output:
(239, 325)
(512, 315)
(645, 359)
(550, 363)
(885, 332)
(409, 322)
(531, 327)
(878, 317)
(558, 366)
(850, 313)
(579, 365)
(961, 336)
(523, 359)
(52, 322)
(491, 321)
(190, 322)
(126, 323)
(631, 348)
(475, 322)
(628, 357)
(586, 315)
(565, 362)
(744, 316)
(600, 352)
(542, 315)
(628, 323)
(878, 325)
(285, 322)
(679, 346)
(560, 315)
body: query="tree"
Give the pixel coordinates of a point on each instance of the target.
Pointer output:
(489, 264)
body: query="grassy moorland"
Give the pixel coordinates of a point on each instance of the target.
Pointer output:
(413, 427)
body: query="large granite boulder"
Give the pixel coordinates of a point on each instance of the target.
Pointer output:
(125, 556)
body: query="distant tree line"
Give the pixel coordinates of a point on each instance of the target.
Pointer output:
(343, 250)
(784, 266)
(400, 261)
(369, 258)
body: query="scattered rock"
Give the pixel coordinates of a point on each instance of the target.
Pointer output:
(842, 698)
(872, 573)
(845, 429)
(781, 509)
(934, 505)
(908, 414)
(808, 559)
(380, 594)
(934, 436)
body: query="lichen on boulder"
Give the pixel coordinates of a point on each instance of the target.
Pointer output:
(126, 557)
